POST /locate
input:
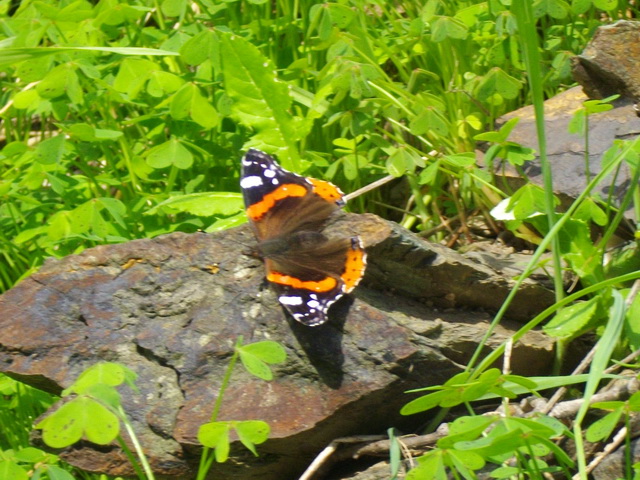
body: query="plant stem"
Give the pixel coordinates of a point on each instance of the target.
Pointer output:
(206, 459)
(136, 444)
(529, 37)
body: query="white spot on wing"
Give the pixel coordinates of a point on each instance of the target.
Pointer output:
(269, 173)
(252, 181)
(292, 301)
(313, 304)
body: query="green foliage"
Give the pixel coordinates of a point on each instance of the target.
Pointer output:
(20, 405)
(82, 417)
(124, 120)
(92, 410)
(111, 110)
(216, 435)
(462, 389)
(474, 441)
(256, 358)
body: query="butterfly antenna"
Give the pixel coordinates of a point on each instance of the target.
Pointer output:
(377, 183)
(367, 188)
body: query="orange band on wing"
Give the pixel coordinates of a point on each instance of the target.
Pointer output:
(323, 285)
(326, 190)
(257, 210)
(354, 269)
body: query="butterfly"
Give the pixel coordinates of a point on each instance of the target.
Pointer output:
(307, 270)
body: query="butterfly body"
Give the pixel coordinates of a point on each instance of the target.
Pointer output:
(288, 212)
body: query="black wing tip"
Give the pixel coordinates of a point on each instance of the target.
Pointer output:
(254, 153)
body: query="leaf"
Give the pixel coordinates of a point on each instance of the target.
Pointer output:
(256, 356)
(88, 133)
(470, 460)
(429, 120)
(589, 210)
(173, 8)
(448, 27)
(161, 83)
(430, 466)
(557, 9)
(634, 402)
(216, 435)
(570, 320)
(497, 442)
(602, 428)
(429, 175)
(132, 75)
(497, 81)
(169, 153)
(424, 403)
(80, 417)
(505, 472)
(30, 455)
(527, 202)
(54, 83)
(578, 7)
(13, 471)
(266, 350)
(517, 154)
(261, 100)
(465, 428)
(105, 394)
(578, 249)
(107, 373)
(226, 223)
(26, 99)
(51, 150)
(632, 325)
(501, 135)
(251, 433)
(56, 473)
(606, 5)
(395, 453)
(341, 15)
(400, 161)
(543, 383)
(460, 160)
(10, 56)
(200, 47)
(188, 101)
(203, 204)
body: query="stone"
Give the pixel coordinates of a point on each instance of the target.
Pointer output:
(610, 63)
(171, 308)
(566, 151)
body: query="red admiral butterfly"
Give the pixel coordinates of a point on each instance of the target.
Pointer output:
(307, 270)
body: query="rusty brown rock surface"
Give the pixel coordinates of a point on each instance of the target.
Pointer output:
(172, 307)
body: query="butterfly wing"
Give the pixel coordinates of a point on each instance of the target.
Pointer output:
(279, 202)
(309, 280)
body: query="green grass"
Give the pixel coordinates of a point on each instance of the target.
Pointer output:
(125, 120)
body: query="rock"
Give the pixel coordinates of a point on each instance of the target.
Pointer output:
(614, 466)
(566, 151)
(171, 309)
(378, 471)
(610, 63)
